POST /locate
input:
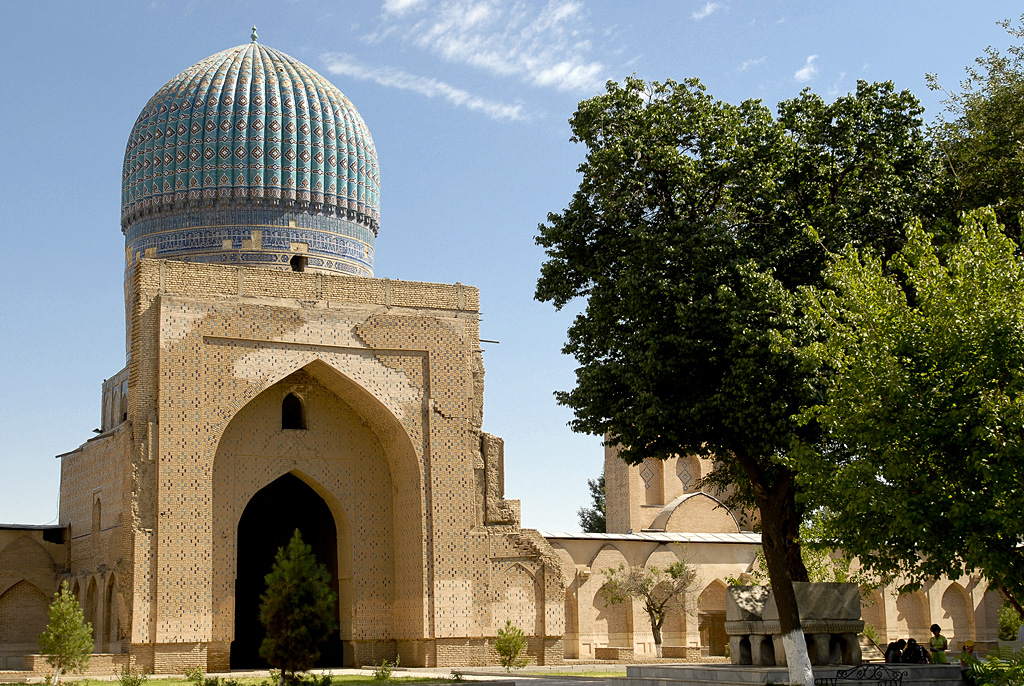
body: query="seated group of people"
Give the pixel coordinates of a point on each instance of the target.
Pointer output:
(912, 652)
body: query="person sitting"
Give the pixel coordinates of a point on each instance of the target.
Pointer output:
(915, 653)
(938, 644)
(894, 651)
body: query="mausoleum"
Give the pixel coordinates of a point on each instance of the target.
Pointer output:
(272, 383)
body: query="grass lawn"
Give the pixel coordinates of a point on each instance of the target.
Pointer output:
(593, 674)
(336, 680)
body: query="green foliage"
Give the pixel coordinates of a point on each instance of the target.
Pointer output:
(872, 635)
(67, 641)
(662, 590)
(195, 676)
(922, 367)
(693, 226)
(1001, 667)
(1009, 622)
(979, 137)
(592, 519)
(824, 564)
(382, 674)
(509, 644)
(297, 610)
(129, 676)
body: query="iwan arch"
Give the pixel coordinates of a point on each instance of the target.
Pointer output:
(272, 383)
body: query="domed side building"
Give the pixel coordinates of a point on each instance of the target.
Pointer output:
(273, 384)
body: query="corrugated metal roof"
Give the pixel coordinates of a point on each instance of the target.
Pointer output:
(747, 537)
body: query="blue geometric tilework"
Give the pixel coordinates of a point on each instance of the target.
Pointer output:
(253, 124)
(217, 235)
(646, 473)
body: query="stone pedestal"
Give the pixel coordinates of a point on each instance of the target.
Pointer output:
(829, 616)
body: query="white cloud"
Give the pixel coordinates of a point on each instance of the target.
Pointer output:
(400, 6)
(836, 89)
(342, 64)
(706, 11)
(546, 48)
(747, 64)
(808, 71)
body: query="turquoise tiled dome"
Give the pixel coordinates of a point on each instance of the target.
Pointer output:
(250, 156)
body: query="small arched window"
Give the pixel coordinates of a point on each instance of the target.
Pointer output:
(293, 413)
(298, 263)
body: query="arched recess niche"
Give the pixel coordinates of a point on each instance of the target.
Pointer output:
(357, 456)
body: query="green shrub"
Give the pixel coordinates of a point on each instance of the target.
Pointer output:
(872, 634)
(129, 676)
(509, 644)
(382, 674)
(1001, 667)
(195, 676)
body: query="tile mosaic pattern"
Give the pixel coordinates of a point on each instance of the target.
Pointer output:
(227, 235)
(252, 124)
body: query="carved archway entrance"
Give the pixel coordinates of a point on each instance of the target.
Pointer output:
(267, 523)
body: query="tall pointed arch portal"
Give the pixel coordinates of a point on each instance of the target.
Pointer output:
(267, 524)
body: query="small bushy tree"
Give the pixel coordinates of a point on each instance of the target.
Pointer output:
(510, 644)
(662, 590)
(1009, 622)
(67, 641)
(297, 610)
(592, 519)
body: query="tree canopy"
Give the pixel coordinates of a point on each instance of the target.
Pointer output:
(980, 134)
(694, 223)
(923, 368)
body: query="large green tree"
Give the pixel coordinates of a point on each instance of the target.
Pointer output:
(297, 610)
(694, 223)
(923, 366)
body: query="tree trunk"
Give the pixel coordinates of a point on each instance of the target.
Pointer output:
(656, 630)
(780, 530)
(1012, 600)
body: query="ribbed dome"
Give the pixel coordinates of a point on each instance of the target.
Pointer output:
(252, 138)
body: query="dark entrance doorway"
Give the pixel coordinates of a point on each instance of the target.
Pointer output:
(268, 522)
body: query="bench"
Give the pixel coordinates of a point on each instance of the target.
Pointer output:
(880, 674)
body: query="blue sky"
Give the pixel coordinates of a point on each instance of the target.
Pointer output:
(467, 102)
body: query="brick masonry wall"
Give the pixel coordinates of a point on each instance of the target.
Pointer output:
(396, 368)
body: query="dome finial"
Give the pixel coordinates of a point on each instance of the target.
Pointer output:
(254, 36)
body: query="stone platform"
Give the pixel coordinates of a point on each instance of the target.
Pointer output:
(745, 675)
